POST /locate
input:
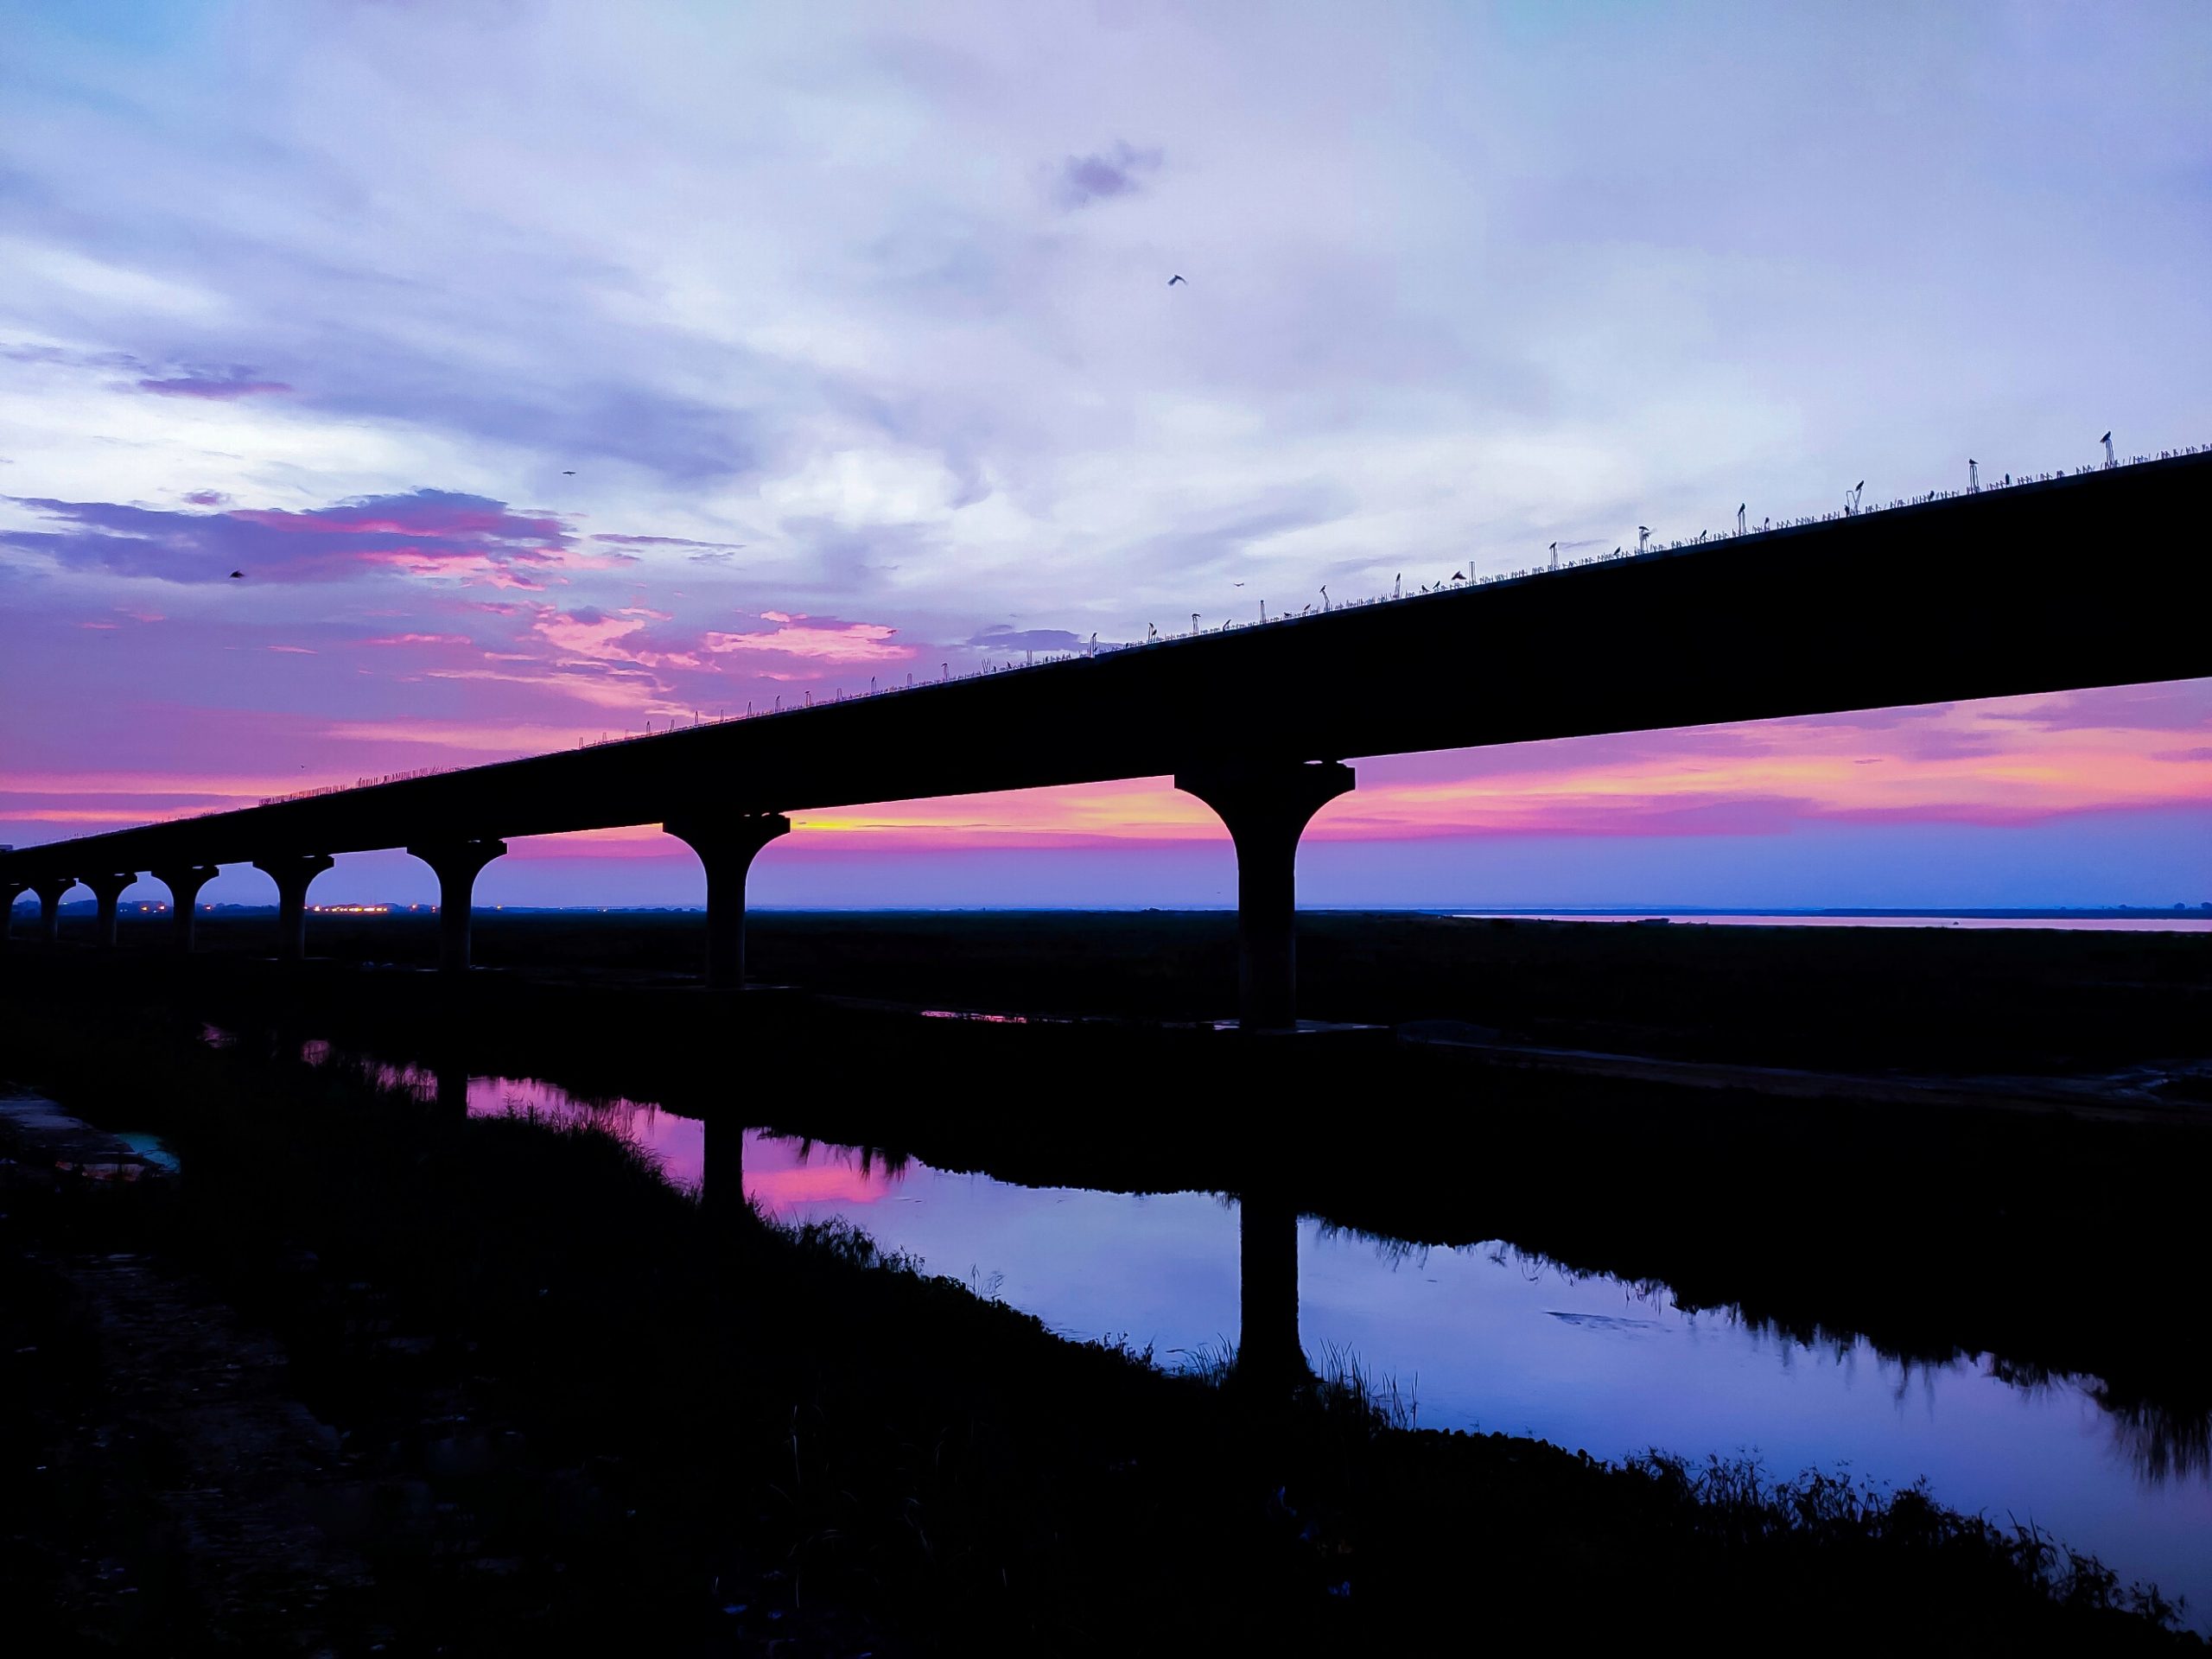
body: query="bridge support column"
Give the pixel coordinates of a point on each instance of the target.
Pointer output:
(456, 863)
(9, 892)
(50, 891)
(727, 843)
(184, 882)
(292, 872)
(1269, 1355)
(107, 890)
(1266, 807)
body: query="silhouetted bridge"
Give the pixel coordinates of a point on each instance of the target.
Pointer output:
(2094, 579)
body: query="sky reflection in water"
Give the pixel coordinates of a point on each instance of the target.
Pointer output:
(1481, 1338)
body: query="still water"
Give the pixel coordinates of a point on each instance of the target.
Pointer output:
(1482, 1338)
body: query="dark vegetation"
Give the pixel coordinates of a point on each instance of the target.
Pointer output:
(1935, 999)
(591, 1413)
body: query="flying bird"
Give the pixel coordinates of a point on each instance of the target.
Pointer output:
(238, 575)
(569, 471)
(1236, 584)
(1172, 281)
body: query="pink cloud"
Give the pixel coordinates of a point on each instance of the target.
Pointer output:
(823, 641)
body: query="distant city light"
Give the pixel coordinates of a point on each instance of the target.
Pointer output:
(351, 910)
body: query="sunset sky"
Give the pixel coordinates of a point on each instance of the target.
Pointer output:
(552, 370)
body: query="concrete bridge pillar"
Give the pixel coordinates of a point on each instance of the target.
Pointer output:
(50, 893)
(292, 872)
(1266, 807)
(456, 863)
(184, 882)
(727, 843)
(9, 892)
(107, 890)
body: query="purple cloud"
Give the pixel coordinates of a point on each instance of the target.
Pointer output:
(664, 541)
(1004, 637)
(1086, 179)
(2130, 707)
(223, 386)
(427, 533)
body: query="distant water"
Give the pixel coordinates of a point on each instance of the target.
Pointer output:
(2179, 922)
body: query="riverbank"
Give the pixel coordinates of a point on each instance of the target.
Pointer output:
(1947, 1003)
(644, 1411)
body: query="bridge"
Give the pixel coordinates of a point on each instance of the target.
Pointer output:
(2062, 582)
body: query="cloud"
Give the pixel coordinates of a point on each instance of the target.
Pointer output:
(224, 387)
(1117, 172)
(427, 533)
(2117, 707)
(665, 540)
(588, 632)
(1004, 637)
(823, 641)
(207, 498)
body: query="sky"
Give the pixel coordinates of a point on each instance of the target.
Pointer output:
(551, 371)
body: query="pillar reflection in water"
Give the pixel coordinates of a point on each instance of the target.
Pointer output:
(1268, 1352)
(722, 1174)
(453, 1088)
